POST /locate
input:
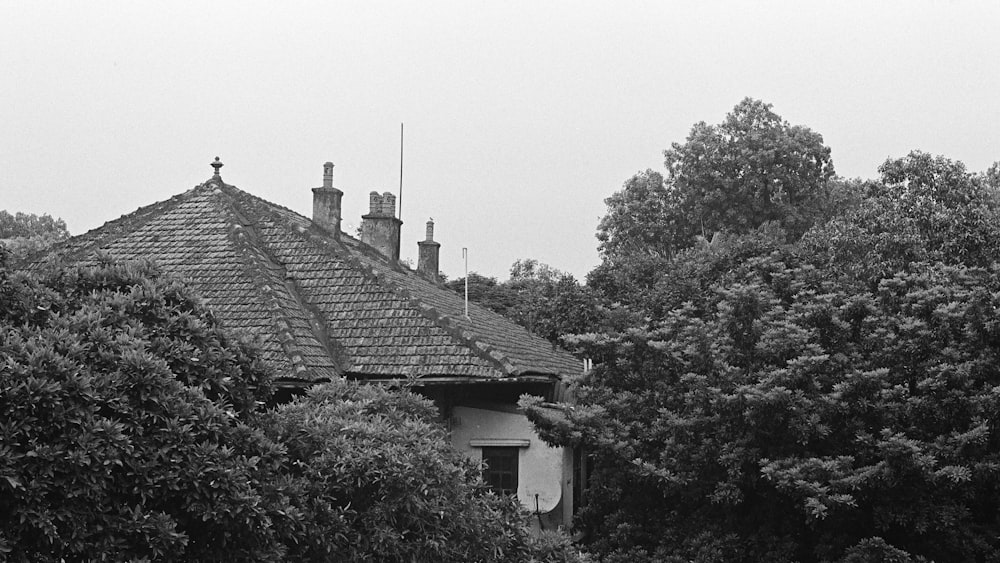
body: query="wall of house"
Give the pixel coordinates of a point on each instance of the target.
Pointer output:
(542, 470)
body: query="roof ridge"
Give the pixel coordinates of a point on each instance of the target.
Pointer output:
(273, 209)
(321, 239)
(240, 237)
(107, 233)
(246, 236)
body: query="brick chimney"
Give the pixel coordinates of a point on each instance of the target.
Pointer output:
(427, 259)
(380, 227)
(326, 203)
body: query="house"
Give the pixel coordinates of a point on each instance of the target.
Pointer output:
(325, 304)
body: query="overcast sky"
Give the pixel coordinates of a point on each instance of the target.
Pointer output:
(520, 117)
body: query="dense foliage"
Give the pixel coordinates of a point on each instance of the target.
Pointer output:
(544, 300)
(118, 400)
(922, 209)
(807, 381)
(751, 169)
(374, 479)
(643, 219)
(791, 416)
(25, 233)
(132, 428)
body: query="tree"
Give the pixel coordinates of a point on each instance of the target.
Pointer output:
(752, 168)
(825, 399)
(753, 172)
(484, 290)
(923, 208)
(992, 176)
(651, 287)
(643, 220)
(546, 301)
(26, 233)
(120, 399)
(795, 418)
(549, 302)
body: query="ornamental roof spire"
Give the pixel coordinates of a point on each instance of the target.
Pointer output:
(217, 165)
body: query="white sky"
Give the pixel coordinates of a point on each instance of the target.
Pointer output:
(521, 117)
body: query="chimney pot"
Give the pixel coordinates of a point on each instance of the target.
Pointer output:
(389, 204)
(428, 252)
(380, 228)
(327, 203)
(328, 175)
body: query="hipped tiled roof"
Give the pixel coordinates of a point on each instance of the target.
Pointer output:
(321, 306)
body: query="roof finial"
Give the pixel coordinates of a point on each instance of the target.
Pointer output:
(217, 165)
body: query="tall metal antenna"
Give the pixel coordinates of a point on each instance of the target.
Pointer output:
(465, 256)
(401, 170)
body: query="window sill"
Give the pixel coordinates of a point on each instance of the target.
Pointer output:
(499, 443)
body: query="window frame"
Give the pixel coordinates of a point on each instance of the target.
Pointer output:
(494, 476)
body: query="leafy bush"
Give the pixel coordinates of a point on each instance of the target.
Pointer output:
(374, 478)
(118, 431)
(131, 428)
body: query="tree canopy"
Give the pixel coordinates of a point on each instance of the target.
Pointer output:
(25, 233)
(643, 219)
(542, 299)
(922, 209)
(803, 368)
(751, 169)
(793, 417)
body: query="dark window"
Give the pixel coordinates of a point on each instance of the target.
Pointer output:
(501, 469)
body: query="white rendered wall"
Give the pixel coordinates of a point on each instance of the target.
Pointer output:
(540, 467)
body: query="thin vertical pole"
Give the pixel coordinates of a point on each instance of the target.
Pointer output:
(400, 170)
(465, 256)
